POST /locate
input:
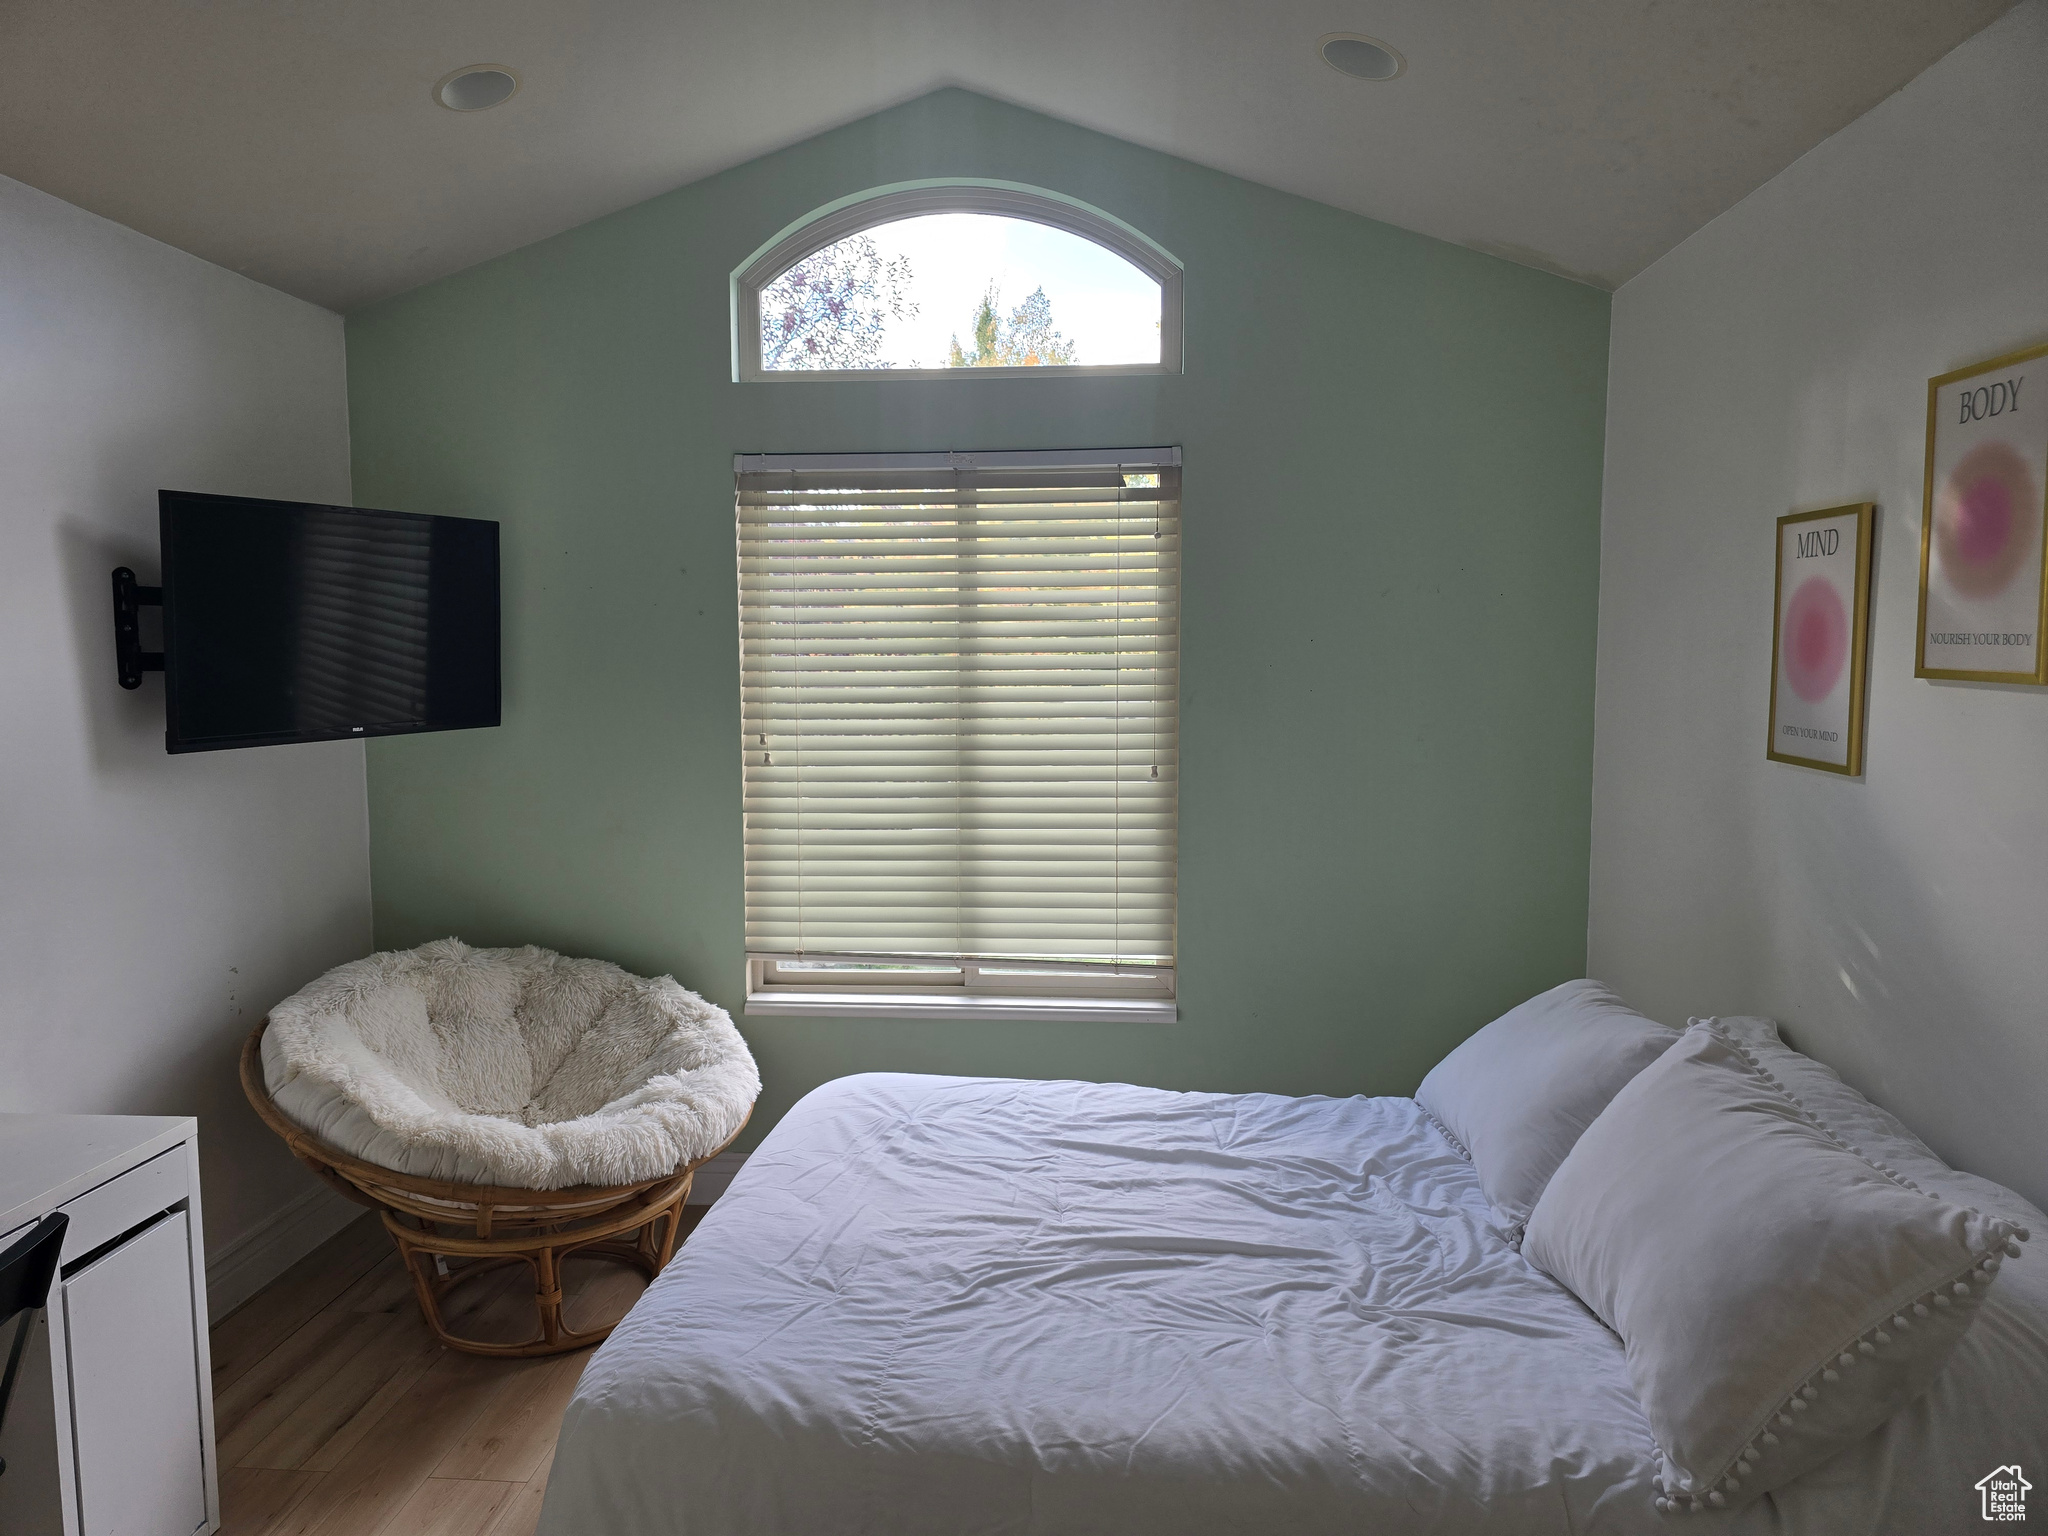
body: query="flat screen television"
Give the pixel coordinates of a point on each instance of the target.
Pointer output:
(286, 621)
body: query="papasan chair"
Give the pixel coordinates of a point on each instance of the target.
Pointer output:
(504, 1106)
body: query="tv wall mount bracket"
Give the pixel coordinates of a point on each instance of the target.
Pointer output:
(130, 598)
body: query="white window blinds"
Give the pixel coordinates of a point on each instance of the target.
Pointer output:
(959, 685)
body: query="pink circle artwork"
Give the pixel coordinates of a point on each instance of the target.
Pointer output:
(1985, 519)
(1816, 639)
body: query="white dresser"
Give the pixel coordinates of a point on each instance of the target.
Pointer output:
(111, 1429)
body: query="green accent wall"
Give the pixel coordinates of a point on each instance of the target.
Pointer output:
(1392, 500)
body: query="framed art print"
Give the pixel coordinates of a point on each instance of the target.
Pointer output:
(1983, 599)
(1820, 638)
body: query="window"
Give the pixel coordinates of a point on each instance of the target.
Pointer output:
(956, 281)
(959, 697)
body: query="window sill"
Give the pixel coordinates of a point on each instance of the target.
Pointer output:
(866, 1004)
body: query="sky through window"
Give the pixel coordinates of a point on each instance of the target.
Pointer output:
(960, 289)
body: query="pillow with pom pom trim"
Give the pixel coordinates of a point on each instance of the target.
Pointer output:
(1869, 1129)
(1778, 1295)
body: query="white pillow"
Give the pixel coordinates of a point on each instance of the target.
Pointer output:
(1778, 1296)
(1868, 1128)
(1515, 1097)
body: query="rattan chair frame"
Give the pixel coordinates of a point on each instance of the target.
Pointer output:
(488, 1226)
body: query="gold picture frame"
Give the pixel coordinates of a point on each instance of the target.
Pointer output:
(1984, 523)
(1823, 663)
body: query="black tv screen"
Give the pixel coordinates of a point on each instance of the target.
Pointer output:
(285, 621)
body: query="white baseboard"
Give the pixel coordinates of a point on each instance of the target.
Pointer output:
(714, 1176)
(243, 1267)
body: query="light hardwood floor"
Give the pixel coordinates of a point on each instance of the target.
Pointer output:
(337, 1414)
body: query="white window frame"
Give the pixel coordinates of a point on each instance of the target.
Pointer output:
(866, 210)
(875, 985)
(810, 986)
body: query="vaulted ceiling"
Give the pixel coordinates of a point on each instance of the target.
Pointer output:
(298, 141)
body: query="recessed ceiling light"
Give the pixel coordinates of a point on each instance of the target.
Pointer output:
(474, 87)
(1361, 57)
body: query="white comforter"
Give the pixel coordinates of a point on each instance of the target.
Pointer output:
(946, 1305)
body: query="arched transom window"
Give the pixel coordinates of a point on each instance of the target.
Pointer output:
(957, 281)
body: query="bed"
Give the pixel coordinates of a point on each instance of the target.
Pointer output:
(953, 1305)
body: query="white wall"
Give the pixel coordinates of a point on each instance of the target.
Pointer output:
(152, 907)
(1778, 360)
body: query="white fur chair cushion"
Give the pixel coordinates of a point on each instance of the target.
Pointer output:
(515, 1067)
